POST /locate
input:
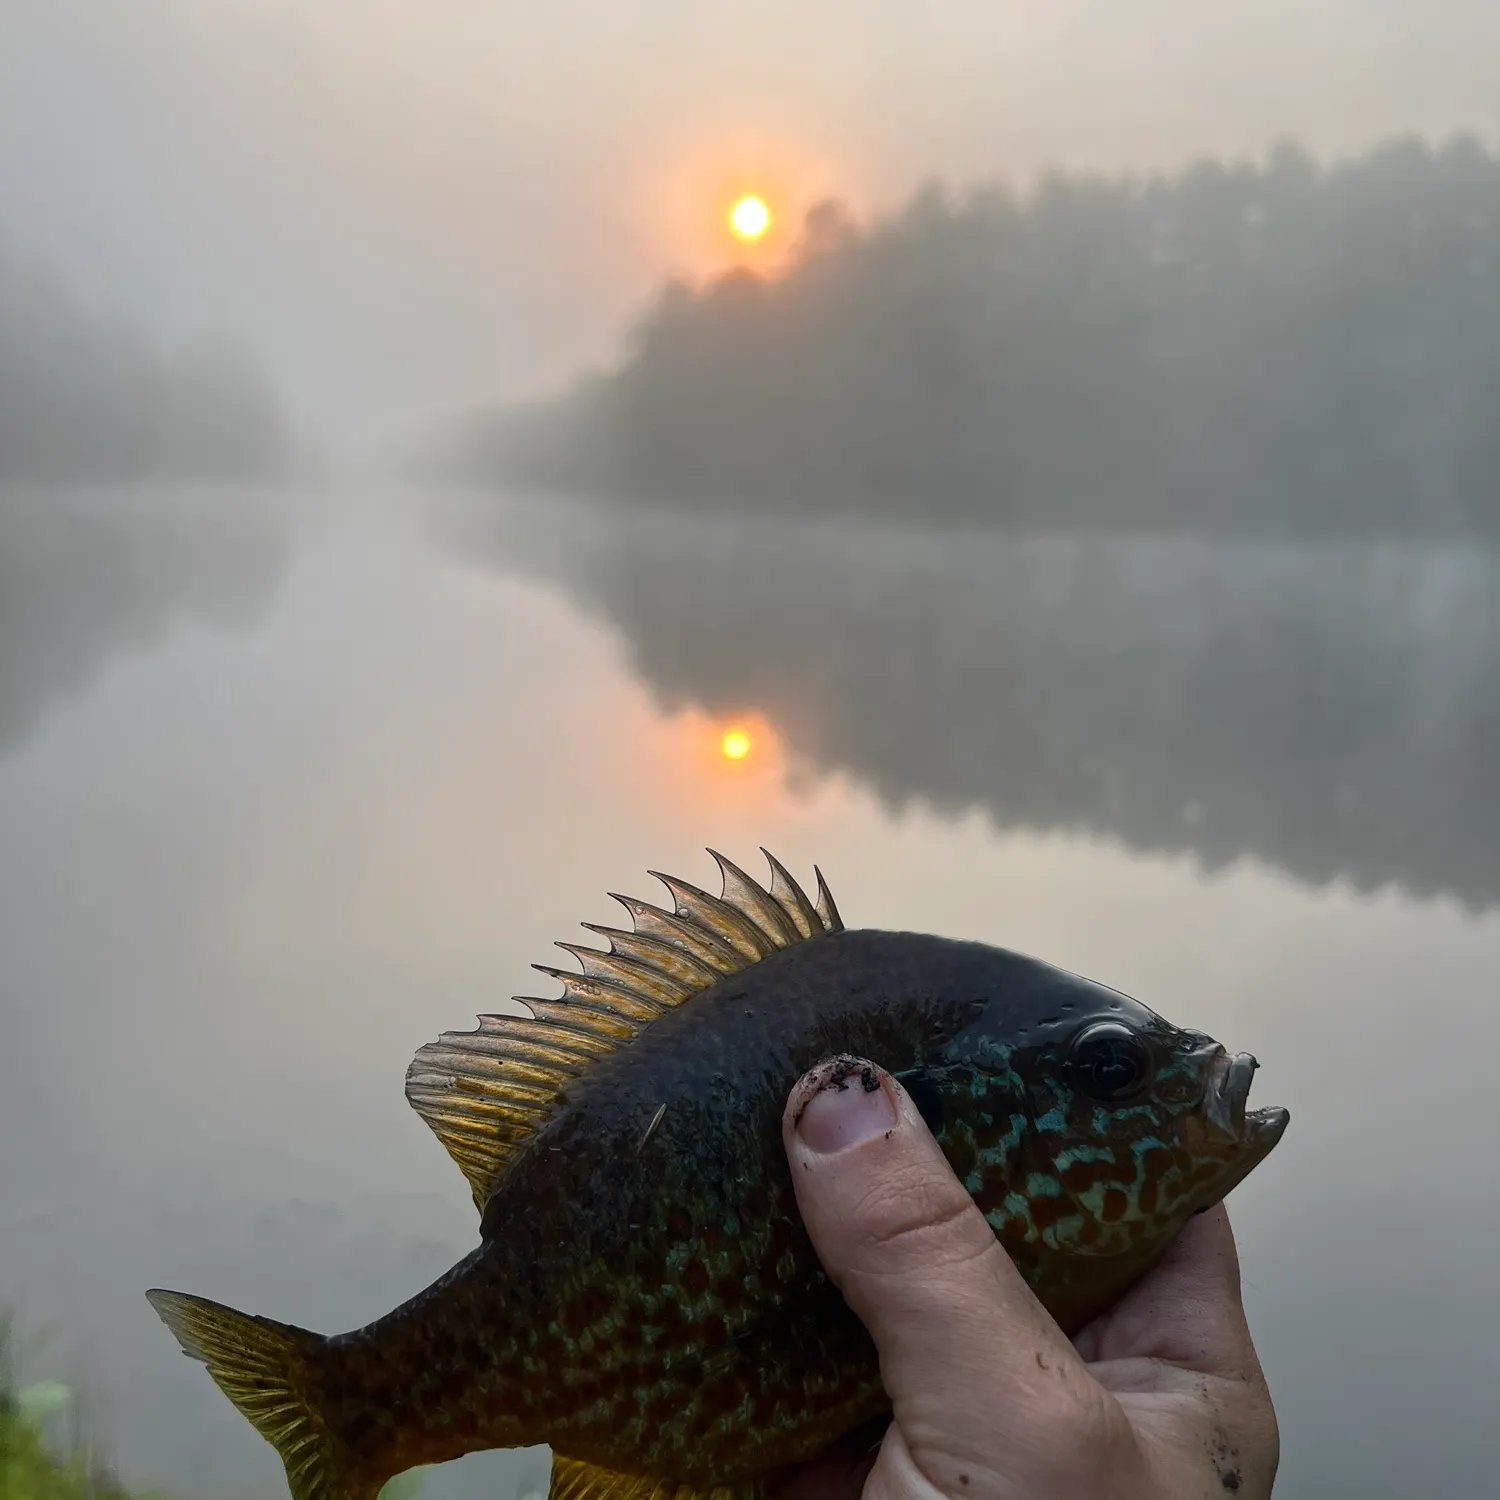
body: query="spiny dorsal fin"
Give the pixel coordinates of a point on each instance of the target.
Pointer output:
(485, 1093)
(573, 1479)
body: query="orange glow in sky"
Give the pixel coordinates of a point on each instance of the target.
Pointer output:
(695, 191)
(714, 770)
(750, 218)
(735, 744)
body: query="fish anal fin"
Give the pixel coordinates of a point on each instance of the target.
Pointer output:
(574, 1479)
(486, 1093)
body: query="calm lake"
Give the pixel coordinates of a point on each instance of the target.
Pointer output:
(280, 802)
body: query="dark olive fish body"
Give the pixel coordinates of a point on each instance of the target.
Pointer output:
(645, 1298)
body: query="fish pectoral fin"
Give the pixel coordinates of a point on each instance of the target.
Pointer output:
(574, 1479)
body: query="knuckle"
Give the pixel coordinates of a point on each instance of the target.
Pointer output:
(909, 1218)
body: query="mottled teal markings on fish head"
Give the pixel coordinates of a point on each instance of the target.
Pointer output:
(974, 1105)
(1140, 1122)
(1083, 1122)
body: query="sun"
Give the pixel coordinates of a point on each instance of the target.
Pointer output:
(750, 218)
(735, 744)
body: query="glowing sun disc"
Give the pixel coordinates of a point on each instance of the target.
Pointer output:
(750, 218)
(735, 744)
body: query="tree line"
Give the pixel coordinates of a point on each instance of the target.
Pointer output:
(1274, 345)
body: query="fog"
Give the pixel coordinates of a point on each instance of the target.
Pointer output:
(1331, 709)
(88, 575)
(1085, 498)
(433, 203)
(86, 395)
(1277, 348)
(244, 874)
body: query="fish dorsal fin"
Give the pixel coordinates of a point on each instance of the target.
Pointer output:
(573, 1479)
(485, 1093)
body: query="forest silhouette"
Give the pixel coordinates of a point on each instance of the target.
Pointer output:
(1331, 709)
(1286, 346)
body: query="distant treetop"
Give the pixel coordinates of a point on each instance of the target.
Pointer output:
(1279, 345)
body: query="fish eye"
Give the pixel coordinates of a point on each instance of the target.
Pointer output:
(1110, 1061)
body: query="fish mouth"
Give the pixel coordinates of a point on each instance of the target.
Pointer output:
(1226, 1097)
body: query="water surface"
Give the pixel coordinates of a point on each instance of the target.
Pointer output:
(249, 864)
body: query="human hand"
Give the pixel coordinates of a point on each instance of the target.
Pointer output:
(1162, 1398)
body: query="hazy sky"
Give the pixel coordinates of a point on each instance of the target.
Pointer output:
(405, 203)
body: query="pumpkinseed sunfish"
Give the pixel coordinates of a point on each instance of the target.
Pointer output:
(644, 1297)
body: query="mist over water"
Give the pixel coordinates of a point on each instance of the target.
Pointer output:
(245, 873)
(89, 576)
(1098, 546)
(1331, 709)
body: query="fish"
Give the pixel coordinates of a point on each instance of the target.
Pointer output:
(644, 1297)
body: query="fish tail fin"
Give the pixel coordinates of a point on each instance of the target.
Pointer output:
(269, 1371)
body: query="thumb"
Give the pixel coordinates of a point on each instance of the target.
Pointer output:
(980, 1377)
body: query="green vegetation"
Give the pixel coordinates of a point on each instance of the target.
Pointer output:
(1287, 346)
(37, 1464)
(33, 1464)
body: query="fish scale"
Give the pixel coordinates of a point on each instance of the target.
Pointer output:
(644, 1297)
